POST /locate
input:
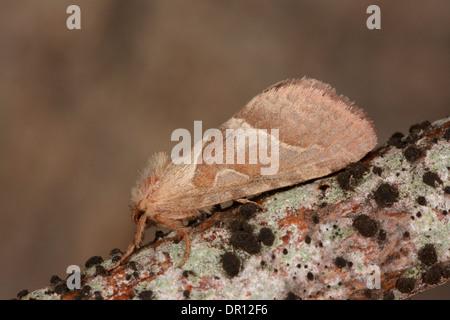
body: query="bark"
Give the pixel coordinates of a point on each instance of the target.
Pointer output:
(377, 230)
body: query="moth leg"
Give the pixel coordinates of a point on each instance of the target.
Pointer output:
(138, 236)
(177, 226)
(250, 201)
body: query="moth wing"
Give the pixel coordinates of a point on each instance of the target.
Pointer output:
(319, 132)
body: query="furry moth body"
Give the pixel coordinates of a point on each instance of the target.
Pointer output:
(319, 132)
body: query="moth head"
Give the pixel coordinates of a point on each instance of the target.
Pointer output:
(142, 198)
(144, 193)
(137, 213)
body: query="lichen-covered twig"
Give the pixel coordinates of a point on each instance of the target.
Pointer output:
(376, 230)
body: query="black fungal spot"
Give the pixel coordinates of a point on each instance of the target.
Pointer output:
(310, 276)
(431, 179)
(79, 296)
(324, 187)
(291, 296)
(411, 139)
(368, 294)
(307, 239)
(386, 195)
(93, 261)
(418, 214)
(186, 294)
(405, 284)
(352, 175)
(427, 255)
(343, 180)
(246, 241)
(54, 280)
(357, 169)
(420, 126)
(98, 295)
(447, 189)
(425, 125)
(186, 273)
(132, 265)
(285, 251)
(248, 209)
(239, 225)
(396, 140)
(365, 226)
(231, 264)
(86, 290)
(146, 295)
(389, 295)
(406, 234)
(61, 288)
(340, 262)
(433, 275)
(415, 128)
(447, 134)
(412, 154)
(315, 219)
(266, 236)
(99, 270)
(382, 235)
(422, 201)
(377, 170)
(158, 235)
(242, 237)
(446, 272)
(22, 293)
(115, 252)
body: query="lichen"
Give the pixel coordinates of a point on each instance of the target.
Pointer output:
(210, 257)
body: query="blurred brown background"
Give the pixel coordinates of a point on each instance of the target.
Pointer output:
(82, 110)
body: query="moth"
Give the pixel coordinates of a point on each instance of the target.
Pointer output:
(319, 132)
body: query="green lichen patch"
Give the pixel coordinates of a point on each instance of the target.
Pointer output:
(210, 258)
(337, 234)
(438, 158)
(414, 273)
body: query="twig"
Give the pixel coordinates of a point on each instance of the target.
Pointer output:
(378, 229)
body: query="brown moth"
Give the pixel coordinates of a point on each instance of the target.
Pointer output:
(320, 132)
